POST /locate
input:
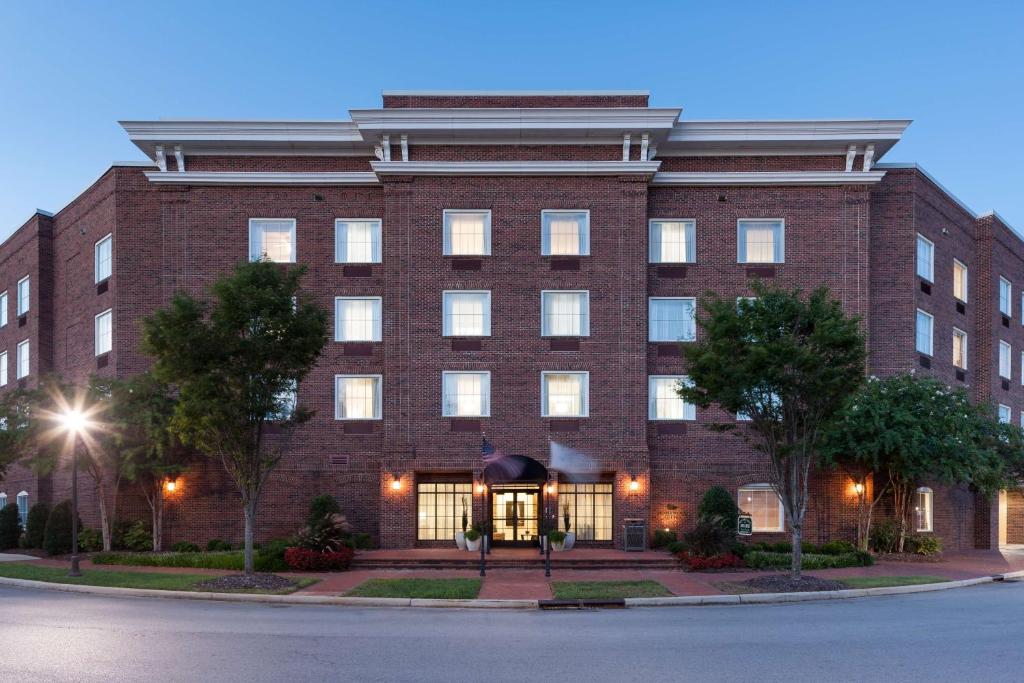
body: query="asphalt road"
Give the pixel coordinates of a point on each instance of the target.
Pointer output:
(971, 634)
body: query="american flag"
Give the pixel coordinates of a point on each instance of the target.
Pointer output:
(489, 453)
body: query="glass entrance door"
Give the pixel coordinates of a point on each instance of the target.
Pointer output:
(515, 513)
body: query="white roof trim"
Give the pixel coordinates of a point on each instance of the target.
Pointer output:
(263, 178)
(515, 168)
(769, 178)
(504, 93)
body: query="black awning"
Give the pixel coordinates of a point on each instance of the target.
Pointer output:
(515, 468)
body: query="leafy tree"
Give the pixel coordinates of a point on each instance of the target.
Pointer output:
(57, 536)
(786, 361)
(36, 526)
(718, 504)
(19, 433)
(236, 362)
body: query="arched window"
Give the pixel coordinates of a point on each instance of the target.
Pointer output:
(763, 504)
(923, 500)
(23, 508)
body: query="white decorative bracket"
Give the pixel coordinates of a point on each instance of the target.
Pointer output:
(627, 139)
(405, 148)
(851, 154)
(161, 158)
(645, 139)
(179, 156)
(386, 144)
(652, 151)
(378, 151)
(869, 157)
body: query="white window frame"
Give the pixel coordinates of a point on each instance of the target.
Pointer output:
(108, 239)
(446, 238)
(929, 275)
(485, 393)
(689, 231)
(24, 303)
(21, 500)
(3, 368)
(545, 230)
(3, 308)
(966, 280)
(1006, 304)
(253, 227)
(26, 344)
(3, 499)
(960, 334)
(689, 409)
(778, 251)
(584, 331)
(378, 403)
(378, 321)
(650, 311)
(1005, 359)
(376, 240)
(1005, 414)
(109, 314)
(759, 488)
(447, 328)
(928, 512)
(931, 332)
(584, 393)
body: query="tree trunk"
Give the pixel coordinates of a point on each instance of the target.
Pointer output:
(250, 525)
(104, 516)
(798, 553)
(156, 504)
(901, 503)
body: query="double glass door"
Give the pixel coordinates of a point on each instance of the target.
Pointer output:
(515, 514)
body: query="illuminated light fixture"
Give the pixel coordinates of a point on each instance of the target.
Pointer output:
(481, 488)
(549, 488)
(396, 483)
(666, 529)
(858, 488)
(74, 421)
(634, 485)
(171, 485)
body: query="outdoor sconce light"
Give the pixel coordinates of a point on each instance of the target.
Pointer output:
(481, 488)
(396, 483)
(858, 488)
(170, 485)
(549, 489)
(634, 485)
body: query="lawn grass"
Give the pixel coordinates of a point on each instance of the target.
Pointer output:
(447, 589)
(607, 590)
(115, 579)
(888, 581)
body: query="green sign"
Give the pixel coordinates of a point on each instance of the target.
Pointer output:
(745, 525)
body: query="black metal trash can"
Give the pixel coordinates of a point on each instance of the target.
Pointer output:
(634, 535)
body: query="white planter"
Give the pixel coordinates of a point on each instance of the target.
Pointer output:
(570, 540)
(558, 547)
(460, 540)
(473, 546)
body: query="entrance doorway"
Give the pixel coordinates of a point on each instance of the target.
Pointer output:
(515, 514)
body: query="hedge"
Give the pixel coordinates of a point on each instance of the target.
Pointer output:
(759, 559)
(233, 560)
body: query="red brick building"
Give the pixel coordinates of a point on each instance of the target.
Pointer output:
(519, 266)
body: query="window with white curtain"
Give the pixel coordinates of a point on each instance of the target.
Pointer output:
(923, 332)
(763, 504)
(1005, 362)
(3, 308)
(3, 368)
(959, 280)
(1004, 414)
(1005, 297)
(357, 318)
(663, 400)
(672, 241)
(925, 258)
(959, 348)
(23, 360)
(923, 503)
(565, 233)
(104, 332)
(23, 508)
(671, 319)
(357, 240)
(465, 394)
(564, 394)
(760, 241)
(467, 232)
(103, 258)
(357, 397)
(24, 293)
(466, 313)
(272, 239)
(565, 313)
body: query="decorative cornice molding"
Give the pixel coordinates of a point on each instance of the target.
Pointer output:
(263, 178)
(469, 121)
(515, 168)
(769, 178)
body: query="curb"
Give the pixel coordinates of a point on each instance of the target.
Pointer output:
(679, 601)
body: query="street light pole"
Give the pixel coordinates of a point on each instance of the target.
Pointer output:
(74, 571)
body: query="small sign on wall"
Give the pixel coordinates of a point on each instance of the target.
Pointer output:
(745, 525)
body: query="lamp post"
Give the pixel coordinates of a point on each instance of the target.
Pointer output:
(75, 422)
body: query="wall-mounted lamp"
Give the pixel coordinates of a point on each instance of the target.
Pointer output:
(858, 488)
(549, 489)
(171, 485)
(481, 488)
(396, 483)
(634, 485)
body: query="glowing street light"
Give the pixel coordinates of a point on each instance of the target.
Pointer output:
(75, 423)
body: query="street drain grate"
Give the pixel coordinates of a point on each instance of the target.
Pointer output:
(582, 604)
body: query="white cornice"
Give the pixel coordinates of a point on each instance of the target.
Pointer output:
(519, 93)
(263, 178)
(769, 178)
(515, 168)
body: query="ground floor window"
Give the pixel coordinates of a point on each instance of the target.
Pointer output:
(762, 503)
(439, 509)
(23, 508)
(923, 499)
(590, 510)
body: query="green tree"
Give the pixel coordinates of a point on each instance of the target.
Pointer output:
(236, 362)
(786, 361)
(57, 536)
(19, 433)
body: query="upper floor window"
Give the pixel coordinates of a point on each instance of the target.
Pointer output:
(923, 502)
(565, 233)
(103, 258)
(959, 348)
(672, 241)
(3, 308)
(925, 258)
(959, 281)
(357, 240)
(465, 394)
(104, 332)
(3, 371)
(671, 319)
(467, 313)
(284, 403)
(923, 333)
(357, 319)
(357, 397)
(761, 241)
(1005, 297)
(1004, 414)
(565, 394)
(272, 239)
(22, 359)
(565, 314)
(1005, 369)
(763, 504)
(467, 232)
(24, 292)
(664, 401)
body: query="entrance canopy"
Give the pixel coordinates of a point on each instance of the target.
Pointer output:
(515, 468)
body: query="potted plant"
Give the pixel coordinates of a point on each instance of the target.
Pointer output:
(472, 540)
(557, 539)
(570, 536)
(460, 536)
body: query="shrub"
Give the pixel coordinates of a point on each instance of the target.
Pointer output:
(809, 548)
(885, 535)
(270, 557)
(36, 527)
(719, 504)
(230, 561)
(215, 545)
(57, 534)
(90, 540)
(10, 527)
(472, 534)
(676, 547)
(328, 533)
(362, 541)
(556, 536)
(185, 547)
(699, 563)
(709, 538)
(760, 559)
(837, 548)
(136, 537)
(662, 537)
(303, 559)
(321, 506)
(923, 545)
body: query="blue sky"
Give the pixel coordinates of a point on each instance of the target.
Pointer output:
(70, 70)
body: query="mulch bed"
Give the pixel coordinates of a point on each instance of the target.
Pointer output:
(235, 582)
(782, 583)
(908, 557)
